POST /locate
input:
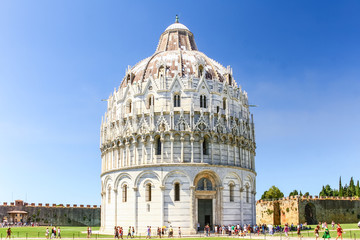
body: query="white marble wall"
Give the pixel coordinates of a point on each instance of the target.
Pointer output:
(163, 209)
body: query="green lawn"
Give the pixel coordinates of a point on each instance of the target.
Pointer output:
(35, 232)
(346, 226)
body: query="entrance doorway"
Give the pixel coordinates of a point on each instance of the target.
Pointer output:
(205, 212)
(310, 214)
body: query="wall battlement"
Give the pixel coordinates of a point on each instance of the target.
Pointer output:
(51, 205)
(309, 198)
(55, 214)
(309, 209)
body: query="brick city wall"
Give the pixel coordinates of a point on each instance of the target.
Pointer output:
(309, 209)
(61, 215)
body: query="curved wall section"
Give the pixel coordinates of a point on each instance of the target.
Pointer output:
(125, 196)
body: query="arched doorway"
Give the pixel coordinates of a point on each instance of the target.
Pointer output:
(207, 199)
(310, 214)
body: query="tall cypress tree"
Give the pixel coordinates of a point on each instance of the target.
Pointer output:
(351, 187)
(357, 189)
(341, 190)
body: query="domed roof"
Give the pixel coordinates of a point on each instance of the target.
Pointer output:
(177, 26)
(177, 54)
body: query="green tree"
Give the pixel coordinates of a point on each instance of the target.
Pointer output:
(294, 193)
(351, 189)
(306, 194)
(357, 189)
(341, 190)
(300, 193)
(272, 193)
(326, 191)
(345, 191)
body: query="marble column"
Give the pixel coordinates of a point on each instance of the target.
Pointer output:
(162, 188)
(192, 148)
(201, 150)
(192, 210)
(115, 204)
(172, 149)
(135, 224)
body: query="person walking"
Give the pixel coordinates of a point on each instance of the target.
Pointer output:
(148, 232)
(339, 231)
(286, 230)
(8, 233)
(299, 231)
(316, 231)
(116, 233)
(159, 232)
(59, 232)
(179, 233)
(47, 233)
(129, 232)
(326, 234)
(133, 232)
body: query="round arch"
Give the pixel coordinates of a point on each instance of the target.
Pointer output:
(121, 177)
(212, 176)
(174, 172)
(310, 214)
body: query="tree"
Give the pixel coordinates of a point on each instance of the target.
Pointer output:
(294, 193)
(300, 193)
(341, 190)
(357, 189)
(351, 189)
(326, 191)
(272, 193)
(306, 194)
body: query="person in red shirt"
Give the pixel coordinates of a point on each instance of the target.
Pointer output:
(339, 231)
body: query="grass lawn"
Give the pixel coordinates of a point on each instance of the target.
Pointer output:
(347, 233)
(35, 232)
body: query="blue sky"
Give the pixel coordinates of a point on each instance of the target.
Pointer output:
(298, 60)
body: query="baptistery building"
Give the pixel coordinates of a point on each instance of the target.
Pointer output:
(177, 143)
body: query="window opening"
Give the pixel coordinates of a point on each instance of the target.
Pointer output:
(231, 189)
(148, 192)
(124, 193)
(177, 192)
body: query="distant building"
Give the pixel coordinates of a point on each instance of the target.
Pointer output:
(46, 214)
(310, 210)
(177, 143)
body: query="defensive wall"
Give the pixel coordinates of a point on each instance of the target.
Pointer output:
(46, 214)
(309, 209)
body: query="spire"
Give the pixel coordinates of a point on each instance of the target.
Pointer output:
(176, 19)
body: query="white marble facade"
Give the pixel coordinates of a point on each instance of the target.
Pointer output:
(177, 143)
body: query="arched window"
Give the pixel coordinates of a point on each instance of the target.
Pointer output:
(148, 192)
(217, 109)
(205, 146)
(129, 78)
(200, 71)
(229, 79)
(247, 194)
(128, 106)
(109, 195)
(202, 101)
(150, 101)
(231, 192)
(224, 103)
(161, 72)
(176, 100)
(158, 146)
(124, 193)
(177, 192)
